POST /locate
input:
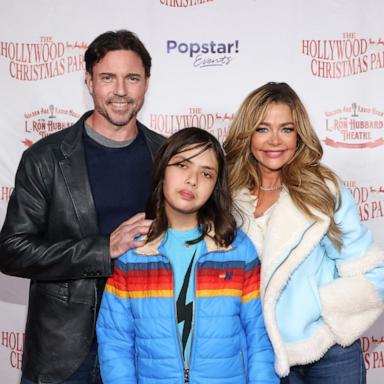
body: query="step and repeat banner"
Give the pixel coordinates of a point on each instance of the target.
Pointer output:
(207, 56)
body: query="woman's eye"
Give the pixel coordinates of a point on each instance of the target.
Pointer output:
(207, 175)
(182, 165)
(261, 129)
(288, 129)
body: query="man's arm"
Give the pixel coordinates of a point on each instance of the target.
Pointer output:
(27, 251)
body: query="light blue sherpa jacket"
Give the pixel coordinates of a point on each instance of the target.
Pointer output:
(313, 295)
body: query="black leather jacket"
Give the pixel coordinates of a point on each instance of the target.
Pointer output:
(50, 235)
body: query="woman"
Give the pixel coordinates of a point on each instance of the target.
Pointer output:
(185, 307)
(322, 277)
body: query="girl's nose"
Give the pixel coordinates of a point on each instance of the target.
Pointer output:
(191, 180)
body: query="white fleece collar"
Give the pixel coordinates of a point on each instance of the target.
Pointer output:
(286, 228)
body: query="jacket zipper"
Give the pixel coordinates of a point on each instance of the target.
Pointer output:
(243, 362)
(286, 258)
(186, 369)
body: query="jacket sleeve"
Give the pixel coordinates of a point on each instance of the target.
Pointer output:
(26, 250)
(115, 332)
(260, 355)
(354, 300)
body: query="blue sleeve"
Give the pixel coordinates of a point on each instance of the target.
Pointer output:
(358, 255)
(115, 333)
(354, 300)
(260, 355)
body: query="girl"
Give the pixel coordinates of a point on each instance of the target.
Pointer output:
(185, 308)
(322, 280)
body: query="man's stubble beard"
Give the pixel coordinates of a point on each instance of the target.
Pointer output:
(131, 114)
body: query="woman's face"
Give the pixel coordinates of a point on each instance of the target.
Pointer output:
(274, 141)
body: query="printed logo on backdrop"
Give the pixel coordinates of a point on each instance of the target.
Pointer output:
(42, 59)
(354, 126)
(373, 351)
(5, 193)
(13, 342)
(205, 54)
(370, 200)
(217, 123)
(43, 121)
(349, 55)
(184, 3)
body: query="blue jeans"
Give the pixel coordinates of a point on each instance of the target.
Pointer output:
(87, 373)
(338, 366)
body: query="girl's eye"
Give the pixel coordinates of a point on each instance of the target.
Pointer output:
(182, 165)
(207, 175)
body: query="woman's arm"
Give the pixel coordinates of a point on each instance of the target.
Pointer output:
(353, 302)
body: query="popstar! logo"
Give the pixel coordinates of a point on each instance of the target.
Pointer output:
(370, 200)
(216, 123)
(206, 54)
(184, 3)
(46, 120)
(354, 126)
(349, 56)
(372, 348)
(44, 59)
(14, 341)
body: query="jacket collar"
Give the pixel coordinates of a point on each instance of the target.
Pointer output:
(287, 227)
(74, 169)
(74, 137)
(152, 248)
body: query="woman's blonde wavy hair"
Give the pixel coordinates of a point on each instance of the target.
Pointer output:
(303, 175)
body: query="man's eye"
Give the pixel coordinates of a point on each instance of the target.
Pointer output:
(106, 78)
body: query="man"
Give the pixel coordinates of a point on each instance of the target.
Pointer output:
(68, 216)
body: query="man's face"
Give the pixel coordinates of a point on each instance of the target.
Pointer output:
(117, 86)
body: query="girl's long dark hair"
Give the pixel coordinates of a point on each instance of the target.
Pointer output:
(216, 215)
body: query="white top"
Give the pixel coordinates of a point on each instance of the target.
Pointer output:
(254, 227)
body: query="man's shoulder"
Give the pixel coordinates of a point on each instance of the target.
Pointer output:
(151, 135)
(54, 140)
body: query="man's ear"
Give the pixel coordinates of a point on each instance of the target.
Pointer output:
(89, 82)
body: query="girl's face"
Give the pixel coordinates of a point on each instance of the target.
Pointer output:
(274, 141)
(189, 181)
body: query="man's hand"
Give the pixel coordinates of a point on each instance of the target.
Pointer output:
(123, 237)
